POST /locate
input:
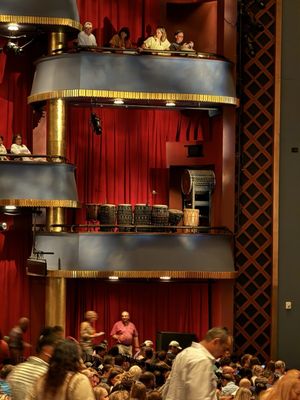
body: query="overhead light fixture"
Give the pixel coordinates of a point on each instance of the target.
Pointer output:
(10, 210)
(170, 104)
(13, 27)
(3, 226)
(113, 278)
(118, 102)
(165, 278)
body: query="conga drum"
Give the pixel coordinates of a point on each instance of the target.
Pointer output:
(190, 218)
(107, 216)
(159, 216)
(92, 211)
(124, 217)
(175, 217)
(142, 216)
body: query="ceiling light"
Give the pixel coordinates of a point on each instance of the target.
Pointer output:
(170, 104)
(165, 278)
(118, 101)
(113, 278)
(13, 27)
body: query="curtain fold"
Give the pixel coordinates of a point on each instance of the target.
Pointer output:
(153, 306)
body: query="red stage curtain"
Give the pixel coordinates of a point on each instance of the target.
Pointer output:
(153, 306)
(128, 161)
(108, 16)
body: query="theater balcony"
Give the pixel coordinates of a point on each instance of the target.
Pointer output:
(135, 78)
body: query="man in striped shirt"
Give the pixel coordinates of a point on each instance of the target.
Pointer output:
(24, 375)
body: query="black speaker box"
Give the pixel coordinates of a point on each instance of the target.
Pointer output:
(164, 338)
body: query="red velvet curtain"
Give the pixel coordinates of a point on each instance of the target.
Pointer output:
(153, 306)
(127, 163)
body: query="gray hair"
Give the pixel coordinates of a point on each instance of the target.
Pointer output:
(217, 333)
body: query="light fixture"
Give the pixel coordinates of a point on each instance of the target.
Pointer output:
(10, 210)
(118, 102)
(3, 226)
(113, 278)
(165, 278)
(170, 104)
(13, 27)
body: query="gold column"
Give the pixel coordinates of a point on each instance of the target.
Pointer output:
(56, 302)
(56, 148)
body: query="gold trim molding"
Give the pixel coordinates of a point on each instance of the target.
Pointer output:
(39, 203)
(28, 19)
(142, 274)
(111, 94)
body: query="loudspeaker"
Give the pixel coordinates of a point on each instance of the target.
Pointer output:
(164, 338)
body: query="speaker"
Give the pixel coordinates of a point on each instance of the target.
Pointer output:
(164, 338)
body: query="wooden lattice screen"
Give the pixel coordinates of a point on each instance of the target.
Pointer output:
(254, 194)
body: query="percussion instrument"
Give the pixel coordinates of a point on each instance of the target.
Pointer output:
(201, 181)
(159, 216)
(175, 217)
(107, 216)
(142, 216)
(124, 217)
(190, 218)
(92, 211)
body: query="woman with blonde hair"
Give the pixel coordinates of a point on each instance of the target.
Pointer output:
(88, 332)
(284, 389)
(243, 394)
(158, 41)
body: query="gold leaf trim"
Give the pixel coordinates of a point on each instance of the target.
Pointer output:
(28, 19)
(143, 274)
(112, 94)
(39, 203)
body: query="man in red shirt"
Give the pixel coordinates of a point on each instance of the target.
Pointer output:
(126, 335)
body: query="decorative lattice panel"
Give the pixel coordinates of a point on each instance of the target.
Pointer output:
(254, 190)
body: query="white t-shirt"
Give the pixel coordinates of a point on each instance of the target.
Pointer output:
(20, 149)
(86, 40)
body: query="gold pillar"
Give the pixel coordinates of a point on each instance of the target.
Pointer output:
(56, 302)
(56, 42)
(56, 148)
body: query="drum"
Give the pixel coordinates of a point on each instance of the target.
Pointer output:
(190, 218)
(159, 216)
(175, 217)
(202, 181)
(124, 217)
(142, 216)
(107, 216)
(92, 211)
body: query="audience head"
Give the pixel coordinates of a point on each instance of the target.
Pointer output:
(91, 316)
(17, 139)
(245, 383)
(124, 33)
(46, 343)
(100, 393)
(23, 322)
(217, 340)
(243, 394)
(284, 389)
(88, 27)
(161, 33)
(138, 391)
(179, 36)
(119, 395)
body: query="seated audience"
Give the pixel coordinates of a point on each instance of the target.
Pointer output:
(121, 39)
(158, 41)
(178, 43)
(2, 150)
(85, 37)
(18, 147)
(243, 394)
(284, 389)
(100, 393)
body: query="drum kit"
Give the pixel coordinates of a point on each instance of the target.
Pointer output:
(141, 218)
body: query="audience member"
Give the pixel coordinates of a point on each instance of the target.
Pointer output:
(4, 385)
(4, 351)
(158, 41)
(2, 150)
(100, 393)
(121, 40)
(243, 394)
(138, 391)
(88, 333)
(178, 43)
(85, 37)
(126, 335)
(63, 379)
(192, 374)
(18, 147)
(24, 375)
(16, 341)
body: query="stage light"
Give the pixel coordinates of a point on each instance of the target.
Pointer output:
(96, 123)
(13, 27)
(113, 278)
(118, 102)
(165, 278)
(3, 226)
(10, 210)
(170, 104)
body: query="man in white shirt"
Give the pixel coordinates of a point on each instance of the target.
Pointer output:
(85, 37)
(192, 376)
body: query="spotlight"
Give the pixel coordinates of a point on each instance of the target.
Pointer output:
(3, 226)
(118, 102)
(96, 124)
(165, 278)
(170, 104)
(113, 278)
